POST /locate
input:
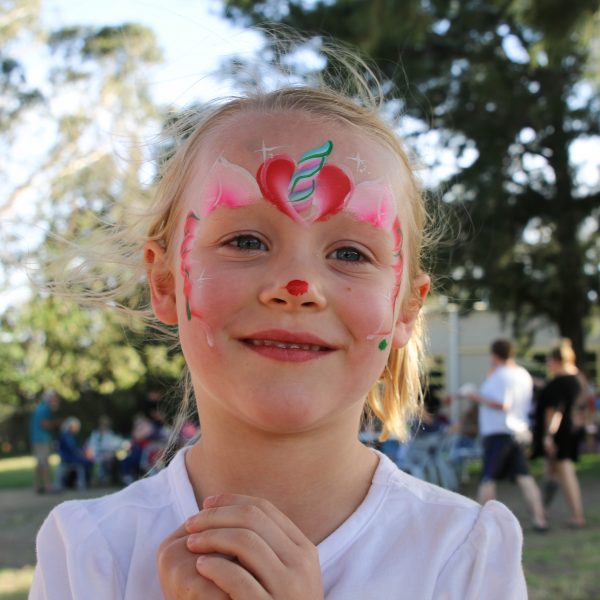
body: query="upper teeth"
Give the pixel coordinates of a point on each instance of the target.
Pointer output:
(313, 347)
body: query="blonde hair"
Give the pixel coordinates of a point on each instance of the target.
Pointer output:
(563, 353)
(396, 398)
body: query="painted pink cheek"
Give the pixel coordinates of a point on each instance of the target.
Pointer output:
(297, 287)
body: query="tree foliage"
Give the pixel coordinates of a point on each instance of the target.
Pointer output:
(509, 88)
(83, 126)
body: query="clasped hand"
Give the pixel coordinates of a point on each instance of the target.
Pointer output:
(239, 548)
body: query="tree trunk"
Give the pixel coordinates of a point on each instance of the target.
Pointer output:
(571, 305)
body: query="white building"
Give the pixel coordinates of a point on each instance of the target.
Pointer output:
(459, 346)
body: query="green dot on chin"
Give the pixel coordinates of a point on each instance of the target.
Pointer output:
(383, 344)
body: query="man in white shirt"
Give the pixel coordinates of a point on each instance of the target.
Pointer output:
(504, 403)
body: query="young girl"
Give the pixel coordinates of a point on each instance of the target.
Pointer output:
(287, 252)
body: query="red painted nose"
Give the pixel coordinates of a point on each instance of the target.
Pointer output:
(297, 287)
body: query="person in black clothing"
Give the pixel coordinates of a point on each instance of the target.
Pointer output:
(557, 434)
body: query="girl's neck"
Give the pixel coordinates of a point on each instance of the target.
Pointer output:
(317, 479)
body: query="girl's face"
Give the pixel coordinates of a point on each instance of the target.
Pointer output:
(288, 268)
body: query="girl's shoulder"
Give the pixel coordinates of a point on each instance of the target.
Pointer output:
(149, 494)
(451, 518)
(167, 491)
(409, 489)
(416, 537)
(116, 534)
(407, 501)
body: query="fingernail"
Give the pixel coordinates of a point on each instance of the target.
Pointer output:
(201, 560)
(209, 501)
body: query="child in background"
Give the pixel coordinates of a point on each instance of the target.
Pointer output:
(286, 247)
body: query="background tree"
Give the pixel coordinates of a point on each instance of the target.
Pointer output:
(76, 157)
(509, 88)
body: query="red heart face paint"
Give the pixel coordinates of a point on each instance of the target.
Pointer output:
(297, 287)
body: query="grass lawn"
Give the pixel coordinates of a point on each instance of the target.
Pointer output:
(14, 583)
(561, 564)
(18, 472)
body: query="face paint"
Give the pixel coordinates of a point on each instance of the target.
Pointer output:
(307, 191)
(360, 163)
(191, 224)
(373, 202)
(297, 287)
(267, 151)
(303, 182)
(228, 185)
(398, 255)
(189, 233)
(398, 266)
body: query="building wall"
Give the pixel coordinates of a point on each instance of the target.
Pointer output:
(474, 334)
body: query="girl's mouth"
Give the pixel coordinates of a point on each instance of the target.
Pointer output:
(287, 346)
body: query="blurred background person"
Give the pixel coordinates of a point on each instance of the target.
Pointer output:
(43, 422)
(75, 467)
(504, 400)
(560, 420)
(101, 448)
(152, 410)
(148, 441)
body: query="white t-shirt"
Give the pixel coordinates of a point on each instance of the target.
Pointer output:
(512, 386)
(408, 539)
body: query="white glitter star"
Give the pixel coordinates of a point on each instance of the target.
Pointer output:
(267, 151)
(360, 163)
(198, 281)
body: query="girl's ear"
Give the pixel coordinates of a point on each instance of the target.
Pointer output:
(410, 311)
(162, 283)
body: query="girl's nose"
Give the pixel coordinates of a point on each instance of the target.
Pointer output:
(296, 294)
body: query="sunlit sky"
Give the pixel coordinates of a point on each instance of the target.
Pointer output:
(195, 38)
(192, 34)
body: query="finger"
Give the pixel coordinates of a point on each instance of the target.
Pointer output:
(176, 567)
(180, 532)
(232, 578)
(252, 552)
(282, 520)
(246, 516)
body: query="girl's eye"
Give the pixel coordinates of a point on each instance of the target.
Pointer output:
(246, 242)
(348, 254)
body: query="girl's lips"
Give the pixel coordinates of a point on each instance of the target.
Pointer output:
(287, 346)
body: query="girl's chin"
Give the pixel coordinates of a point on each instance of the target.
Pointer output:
(284, 417)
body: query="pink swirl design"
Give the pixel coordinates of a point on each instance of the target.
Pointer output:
(189, 233)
